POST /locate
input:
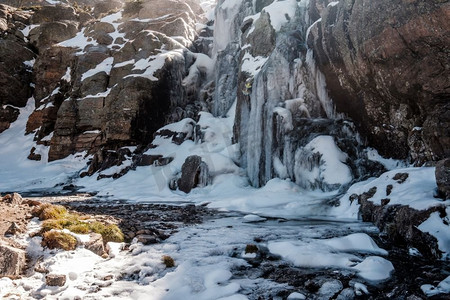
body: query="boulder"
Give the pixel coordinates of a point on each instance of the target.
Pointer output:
(55, 280)
(95, 244)
(399, 223)
(13, 229)
(12, 261)
(14, 199)
(443, 177)
(48, 34)
(194, 173)
(56, 13)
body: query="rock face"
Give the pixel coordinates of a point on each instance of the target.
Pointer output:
(101, 84)
(389, 72)
(443, 177)
(399, 223)
(16, 60)
(12, 261)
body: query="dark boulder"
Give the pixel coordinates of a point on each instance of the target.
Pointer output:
(194, 173)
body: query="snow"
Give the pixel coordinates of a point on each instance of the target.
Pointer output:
(29, 63)
(388, 163)
(417, 191)
(375, 268)
(104, 66)
(19, 173)
(334, 3)
(355, 242)
(360, 289)
(332, 168)
(296, 296)
(439, 228)
(67, 77)
(153, 63)
(281, 11)
(79, 41)
(252, 65)
(442, 288)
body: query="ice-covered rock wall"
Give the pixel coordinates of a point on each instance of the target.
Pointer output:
(283, 106)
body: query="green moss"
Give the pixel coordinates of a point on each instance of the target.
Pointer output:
(59, 240)
(168, 261)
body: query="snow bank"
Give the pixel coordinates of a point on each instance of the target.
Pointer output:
(417, 191)
(333, 253)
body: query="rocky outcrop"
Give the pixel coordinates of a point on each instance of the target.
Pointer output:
(386, 66)
(116, 83)
(16, 61)
(399, 223)
(12, 261)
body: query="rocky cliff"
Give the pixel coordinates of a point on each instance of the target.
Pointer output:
(386, 65)
(315, 82)
(103, 75)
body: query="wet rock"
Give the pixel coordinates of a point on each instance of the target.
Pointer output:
(443, 177)
(194, 173)
(95, 244)
(12, 261)
(55, 280)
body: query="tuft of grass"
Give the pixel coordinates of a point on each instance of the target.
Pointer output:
(48, 211)
(168, 261)
(250, 248)
(57, 217)
(110, 232)
(59, 240)
(80, 227)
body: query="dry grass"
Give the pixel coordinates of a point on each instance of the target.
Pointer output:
(59, 240)
(57, 217)
(168, 261)
(48, 211)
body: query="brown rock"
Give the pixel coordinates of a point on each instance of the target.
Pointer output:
(389, 72)
(12, 261)
(55, 280)
(48, 34)
(14, 199)
(95, 244)
(13, 229)
(53, 14)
